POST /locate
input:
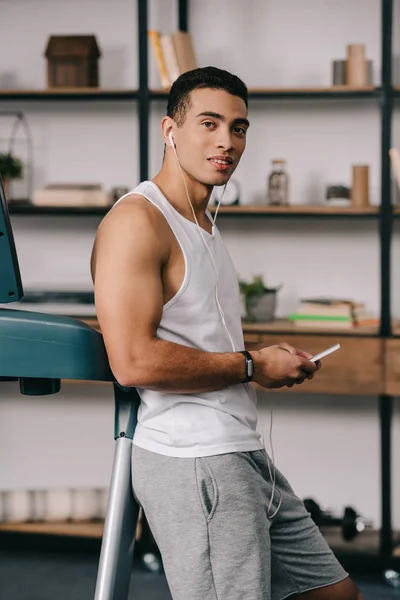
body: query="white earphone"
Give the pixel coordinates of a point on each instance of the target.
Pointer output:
(171, 140)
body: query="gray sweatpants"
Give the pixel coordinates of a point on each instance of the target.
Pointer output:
(209, 518)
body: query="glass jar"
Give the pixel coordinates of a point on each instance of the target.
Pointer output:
(278, 184)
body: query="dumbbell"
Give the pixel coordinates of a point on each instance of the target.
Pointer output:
(351, 523)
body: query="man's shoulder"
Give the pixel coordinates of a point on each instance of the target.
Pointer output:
(136, 210)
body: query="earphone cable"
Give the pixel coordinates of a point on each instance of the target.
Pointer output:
(221, 312)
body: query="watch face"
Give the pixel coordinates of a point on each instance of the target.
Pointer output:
(231, 195)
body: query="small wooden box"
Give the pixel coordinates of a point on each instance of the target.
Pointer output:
(72, 61)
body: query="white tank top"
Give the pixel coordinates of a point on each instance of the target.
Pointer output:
(207, 423)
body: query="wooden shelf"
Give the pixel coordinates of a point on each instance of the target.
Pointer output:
(86, 529)
(285, 326)
(68, 94)
(299, 210)
(293, 93)
(243, 211)
(358, 368)
(80, 529)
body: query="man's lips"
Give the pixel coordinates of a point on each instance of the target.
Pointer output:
(221, 163)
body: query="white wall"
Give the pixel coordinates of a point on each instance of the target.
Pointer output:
(327, 446)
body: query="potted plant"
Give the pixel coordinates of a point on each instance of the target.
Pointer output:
(10, 168)
(260, 300)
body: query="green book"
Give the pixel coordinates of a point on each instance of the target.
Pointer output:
(294, 317)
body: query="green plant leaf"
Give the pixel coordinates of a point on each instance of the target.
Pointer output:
(10, 166)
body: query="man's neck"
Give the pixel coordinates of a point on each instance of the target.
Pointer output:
(170, 182)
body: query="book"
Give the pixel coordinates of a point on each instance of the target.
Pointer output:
(332, 313)
(71, 195)
(171, 60)
(300, 317)
(346, 324)
(337, 310)
(394, 154)
(327, 301)
(184, 51)
(155, 40)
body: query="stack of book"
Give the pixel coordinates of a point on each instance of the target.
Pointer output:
(71, 194)
(174, 55)
(332, 313)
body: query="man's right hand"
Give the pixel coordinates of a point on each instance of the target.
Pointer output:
(282, 365)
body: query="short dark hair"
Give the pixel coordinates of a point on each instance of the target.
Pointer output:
(204, 77)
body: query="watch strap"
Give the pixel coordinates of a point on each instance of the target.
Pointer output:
(249, 366)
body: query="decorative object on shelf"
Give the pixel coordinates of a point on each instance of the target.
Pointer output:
(370, 72)
(278, 184)
(10, 168)
(13, 167)
(356, 69)
(70, 194)
(394, 154)
(260, 300)
(184, 50)
(339, 72)
(174, 54)
(72, 61)
(53, 505)
(338, 195)
(117, 192)
(231, 196)
(360, 186)
(155, 40)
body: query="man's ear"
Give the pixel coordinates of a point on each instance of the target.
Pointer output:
(167, 128)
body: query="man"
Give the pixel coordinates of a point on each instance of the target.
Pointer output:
(227, 523)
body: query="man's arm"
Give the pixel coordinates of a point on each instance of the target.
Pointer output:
(127, 263)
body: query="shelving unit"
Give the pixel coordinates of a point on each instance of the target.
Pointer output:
(384, 95)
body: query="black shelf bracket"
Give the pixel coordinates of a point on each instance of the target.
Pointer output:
(183, 15)
(386, 202)
(143, 92)
(386, 221)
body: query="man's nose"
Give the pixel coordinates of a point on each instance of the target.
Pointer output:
(224, 140)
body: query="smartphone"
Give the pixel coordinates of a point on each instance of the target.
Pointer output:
(325, 353)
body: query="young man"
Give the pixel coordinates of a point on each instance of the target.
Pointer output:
(228, 525)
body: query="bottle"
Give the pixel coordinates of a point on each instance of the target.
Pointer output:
(278, 184)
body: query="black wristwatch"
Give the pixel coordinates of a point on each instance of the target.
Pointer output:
(249, 366)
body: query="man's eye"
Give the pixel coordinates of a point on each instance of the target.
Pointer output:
(208, 124)
(240, 130)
